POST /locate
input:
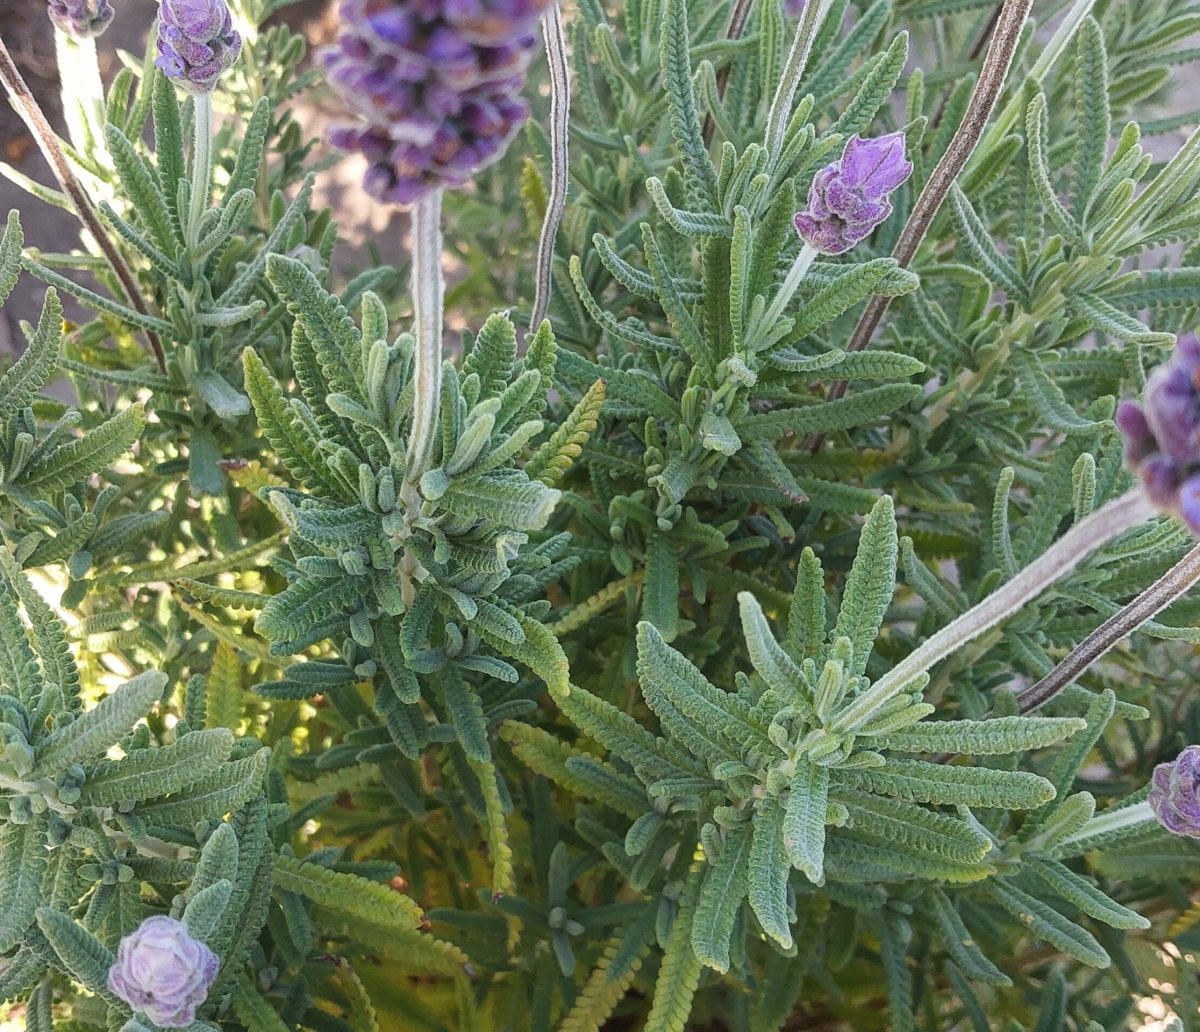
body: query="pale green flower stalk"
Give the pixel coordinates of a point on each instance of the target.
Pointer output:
(77, 25)
(1087, 536)
(202, 126)
(197, 43)
(428, 297)
(781, 104)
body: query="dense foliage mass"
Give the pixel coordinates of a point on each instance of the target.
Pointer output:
(772, 612)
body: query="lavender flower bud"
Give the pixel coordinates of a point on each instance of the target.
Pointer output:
(437, 86)
(849, 198)
(1162, 436)
(163, 972)
(84, 19)
(794, 8)
(1175, 793)
(197, 42)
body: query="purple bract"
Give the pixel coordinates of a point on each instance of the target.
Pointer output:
(436, 83)
(163, 972)
(849, 198)
(197, 42)
(1162, 436)
(84, 19)
(1175, 793)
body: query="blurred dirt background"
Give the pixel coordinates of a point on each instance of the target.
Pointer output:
(29, 36)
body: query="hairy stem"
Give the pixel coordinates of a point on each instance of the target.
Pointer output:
(1089, 534)
(981, 41)
(992, 77)
(202, 125)
(33, 116)
(781, 104)
(1170, 586)
(808, 254)
(560, 125)
(428, 296)
(1116, 819)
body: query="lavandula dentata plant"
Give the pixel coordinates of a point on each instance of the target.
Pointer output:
(437, 86)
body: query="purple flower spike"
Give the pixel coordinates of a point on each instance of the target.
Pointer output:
(1162, 435)
(849, 198)
(1175, 793)
(794, 8)
(83, 19)
(436, 83)
(197, 43)
(163, 972)
(1139, 438)
(1173, 403)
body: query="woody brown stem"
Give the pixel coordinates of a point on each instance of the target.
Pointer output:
(1179, 579)
(33, 116)
(992, 77)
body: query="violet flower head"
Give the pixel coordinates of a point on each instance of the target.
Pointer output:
(436, 84)
(163, 972)
(1162, 436)
(83, 19)
(849, 198)
(794, 8)
(197, 42)
(1175, 793)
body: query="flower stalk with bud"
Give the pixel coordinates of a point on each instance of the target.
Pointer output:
(436, 86)
(197, 43)
(1173, 804)
(847, 200)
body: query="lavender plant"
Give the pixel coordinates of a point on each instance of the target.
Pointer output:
(769, 608)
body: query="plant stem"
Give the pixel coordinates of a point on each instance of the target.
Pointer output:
(1170, 586)
(992, 77)
(35, 119)
(981, 41)
(428, 295)
(202, 124)
(781, 104)
(1116, 819)
(560, 126)
(808, 254)
(1089, 534)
